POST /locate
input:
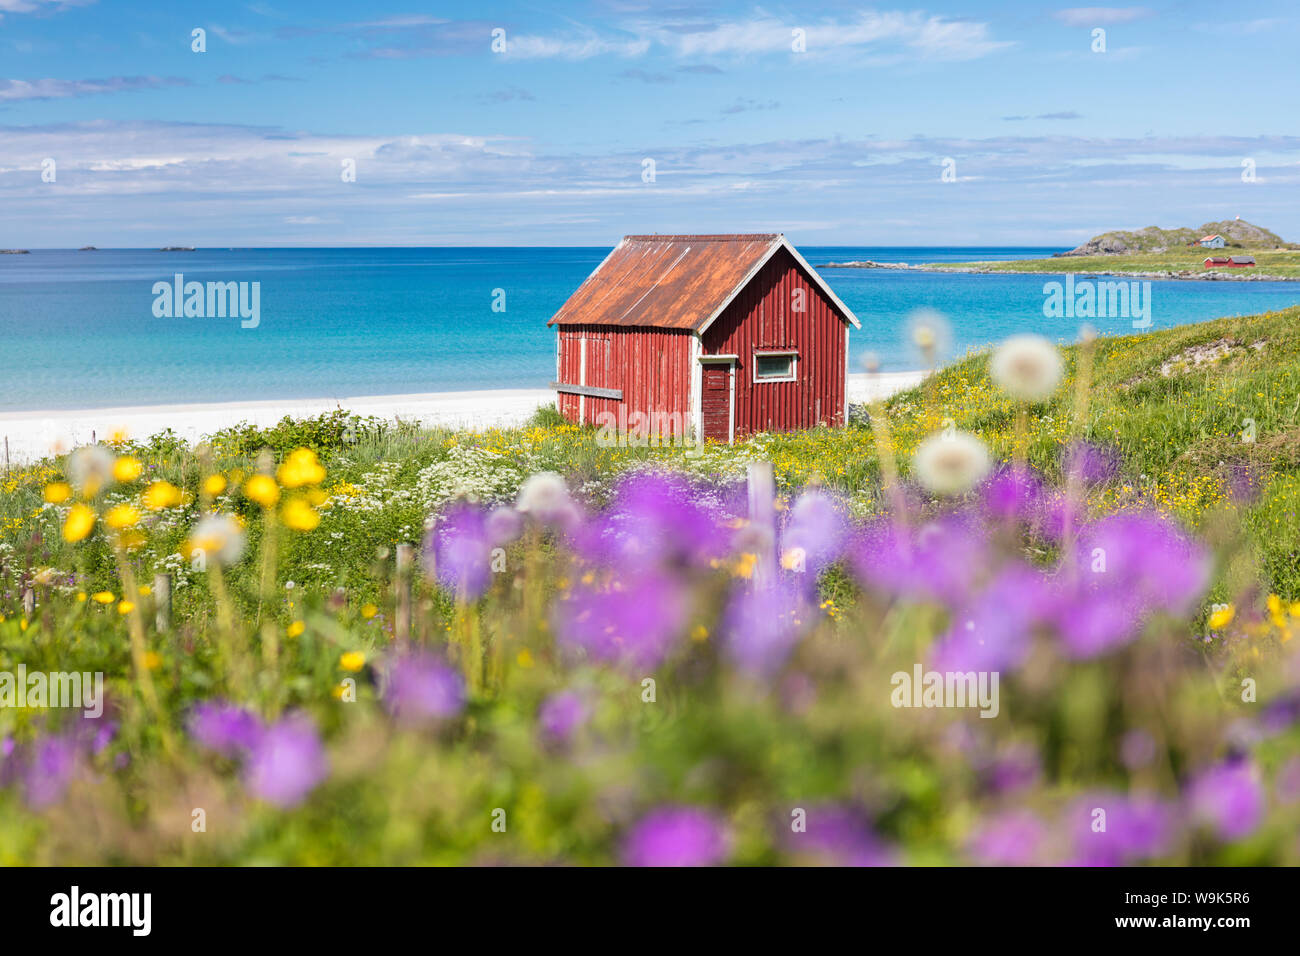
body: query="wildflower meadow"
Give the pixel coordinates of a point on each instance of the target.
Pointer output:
(1040, 610)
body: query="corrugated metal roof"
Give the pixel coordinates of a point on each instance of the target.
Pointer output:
(670, 282)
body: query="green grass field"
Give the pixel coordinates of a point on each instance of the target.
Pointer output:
(1283, 263)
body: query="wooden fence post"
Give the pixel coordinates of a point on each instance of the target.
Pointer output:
(402, 584)
(29, 603)
(162, 602)
(762, 517)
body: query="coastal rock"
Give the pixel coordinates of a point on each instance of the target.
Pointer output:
(1237, 233)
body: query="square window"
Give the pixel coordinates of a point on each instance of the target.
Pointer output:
(774, 367)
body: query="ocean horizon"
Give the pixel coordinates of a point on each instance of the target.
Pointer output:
(94, 329)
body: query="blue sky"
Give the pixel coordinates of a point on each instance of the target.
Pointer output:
(842, 141)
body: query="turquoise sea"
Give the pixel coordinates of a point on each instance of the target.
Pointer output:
(79, 330)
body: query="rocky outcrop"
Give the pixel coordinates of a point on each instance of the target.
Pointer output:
(1236, 232)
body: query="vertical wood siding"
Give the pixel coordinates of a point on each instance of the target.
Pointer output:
(763, 318)
(651, 366)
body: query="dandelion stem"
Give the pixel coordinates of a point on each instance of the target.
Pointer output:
(139, 650)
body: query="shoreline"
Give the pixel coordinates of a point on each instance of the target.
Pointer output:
(1212, 275)
(33, 435)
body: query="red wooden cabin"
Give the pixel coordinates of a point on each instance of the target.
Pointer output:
(707, 336)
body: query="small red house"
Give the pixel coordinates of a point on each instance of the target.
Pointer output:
(1217, 262)
(707, 336)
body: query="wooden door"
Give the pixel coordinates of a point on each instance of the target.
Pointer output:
(716, 401)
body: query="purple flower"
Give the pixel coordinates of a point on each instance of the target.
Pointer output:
(1135, 828)
(1287, 783)
(462, 550)
(419, 687)
(503, 525)
(1012, 838)
(1091, 464)
(561, 714)
(941, 560)
(287, 762)
(1281, 713)
(634, 624)
(103, 733)
(762, 625)
(1013, 494)
(1229, 797)
(677, 836)
(51, 766)
(992, 633)
(653, 522)
(817, 530)
(225, 728)
(839, 836)
(1015, 768)
(1126, 567)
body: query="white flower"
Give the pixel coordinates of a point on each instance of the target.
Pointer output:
(1027, 367)
(90, 468)
(930, 332)
(951, 462)
(219, 537)
(546, 497)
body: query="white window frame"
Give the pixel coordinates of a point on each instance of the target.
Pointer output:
(794, 366)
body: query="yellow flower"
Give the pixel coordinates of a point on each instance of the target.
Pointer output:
(745, 566)
(299, 515)
(352, 661)
(1222, 617)
(58, 492)
(103, 597)
(152, 660)
(300, 468)
(214, 484)
(1276, 610)
(81, 597)
(296, 629)
(160, 495)
(122, 516)
(262, 489)
(699, 633)
(127, 469)
(524, 658)
(79, 523)
(144, 590)
(368, 611)
(125, 607)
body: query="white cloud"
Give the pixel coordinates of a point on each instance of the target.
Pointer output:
(885, 37)
(1101, 16)
(52, 89)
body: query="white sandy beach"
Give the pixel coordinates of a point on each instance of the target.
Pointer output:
(35, 434)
